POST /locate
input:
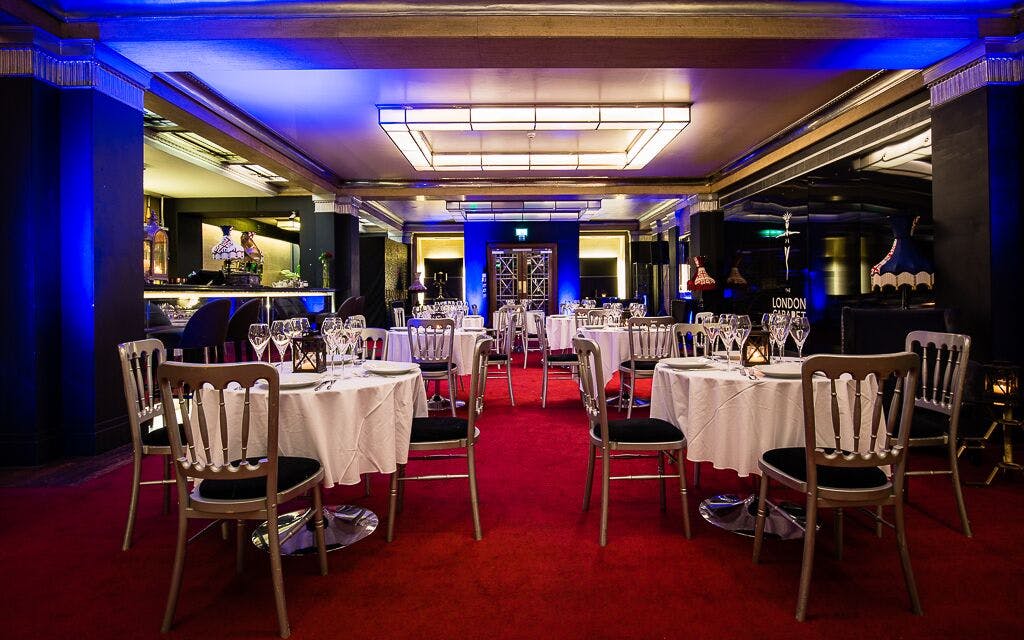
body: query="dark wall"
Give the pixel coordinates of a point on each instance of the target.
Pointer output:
(978, 177)
(479, 234)
(598, 277)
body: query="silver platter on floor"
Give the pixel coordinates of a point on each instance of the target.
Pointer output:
(344, 525)
(784, 521)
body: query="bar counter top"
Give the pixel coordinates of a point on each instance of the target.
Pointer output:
(159, 291)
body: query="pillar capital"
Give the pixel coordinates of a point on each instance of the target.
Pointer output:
(27, 52)
(341, 205)
(991, 61)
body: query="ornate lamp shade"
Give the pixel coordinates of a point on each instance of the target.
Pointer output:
(309, 354)
(756, 350)
(736, 278)
(904, 265)
(417, 285)
(227, 249)
(702, 281)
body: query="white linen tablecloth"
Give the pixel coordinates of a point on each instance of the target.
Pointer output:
(360, 425)
(561, 330)
(730, 420)
(614, 344)
(462, 348)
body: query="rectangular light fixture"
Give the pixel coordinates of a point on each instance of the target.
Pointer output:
(656, 125)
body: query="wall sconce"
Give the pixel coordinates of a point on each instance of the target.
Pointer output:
(309, 354)
(756, 350)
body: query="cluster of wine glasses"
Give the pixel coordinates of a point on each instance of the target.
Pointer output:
(280, 332)
(731, 329)
(344, 339)
(781, 326)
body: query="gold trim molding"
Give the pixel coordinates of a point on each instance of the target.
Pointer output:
(990, 61)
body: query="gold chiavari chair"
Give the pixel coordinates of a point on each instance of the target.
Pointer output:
(398, 316)
(139, 363)
(579, 317)
(849, 471)
(238, 481)
(631, 436)
(567, 363)
(441, 434)
(598, 316)
(431, 343)
(531, 319)
(501, 354)
(689, 340)
(938, 399)
(650, 340)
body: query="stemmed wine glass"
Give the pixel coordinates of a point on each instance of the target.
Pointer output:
(280, 337)
(711, 328)
(743, 328)
(330, 328)
(727, 329)
(800, 328)
(259, 338)
(354, 327)
(780, 329)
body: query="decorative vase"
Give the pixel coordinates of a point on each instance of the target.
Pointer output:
(326, 276)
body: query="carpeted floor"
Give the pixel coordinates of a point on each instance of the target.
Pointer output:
(538, 572)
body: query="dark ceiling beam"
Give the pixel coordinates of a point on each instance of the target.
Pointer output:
(31, 14)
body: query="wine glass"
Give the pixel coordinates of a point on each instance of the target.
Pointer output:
(330, 328)
(727, 330)
(300, 326)
(743, 328)
(780, 329)
(354, 327)
(279, 335)
(800, 328)
(259, 338)
(711, 329)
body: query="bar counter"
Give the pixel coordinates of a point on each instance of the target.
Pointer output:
(196, 292)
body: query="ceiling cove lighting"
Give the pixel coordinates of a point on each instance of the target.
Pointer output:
(655, 125)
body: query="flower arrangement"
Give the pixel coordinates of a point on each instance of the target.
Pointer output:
(326, 257)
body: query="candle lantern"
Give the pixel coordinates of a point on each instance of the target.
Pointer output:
(1002, 383)
(756, 350)
(309, 354)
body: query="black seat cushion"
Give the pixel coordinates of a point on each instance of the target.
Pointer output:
(159, 437)
(438, 429)
(792, 462)
(433, 367)
(927, 424)
(290, 472)
(641, 365)
(640, 430)
(497, 357)
(562, 357)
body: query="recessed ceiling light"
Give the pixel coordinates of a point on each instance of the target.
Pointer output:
(656, 125)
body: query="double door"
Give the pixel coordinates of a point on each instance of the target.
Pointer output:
(522, 274)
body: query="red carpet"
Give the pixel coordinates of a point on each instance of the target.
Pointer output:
(538, 572)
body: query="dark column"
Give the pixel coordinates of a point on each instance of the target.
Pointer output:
(334, 227)
(72, 197)
(707, 239)
(977, 142)
(346, 256)
(31, 260)
(185, 241)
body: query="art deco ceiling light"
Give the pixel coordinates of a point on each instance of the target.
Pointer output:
(655, 125)
(524, 211)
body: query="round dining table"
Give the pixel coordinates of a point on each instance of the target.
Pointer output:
(354, 423)
(532, 318)
(731, 416)
(560, 329)
(462, 348)
(614, 345)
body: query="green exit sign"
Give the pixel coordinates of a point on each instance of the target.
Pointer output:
(521, 233)
(770, 233)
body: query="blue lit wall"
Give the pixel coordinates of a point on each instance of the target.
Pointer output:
(564, 234)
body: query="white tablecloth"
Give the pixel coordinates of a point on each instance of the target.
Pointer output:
(471, 322)
(614, 344)
(561, 330)
(531, 320)
(730, 420)
(462, 348)
(361, 425)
